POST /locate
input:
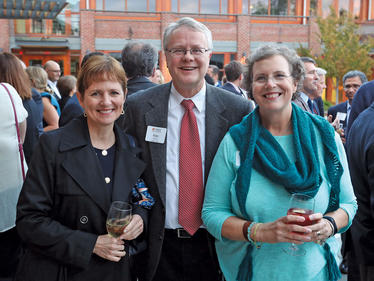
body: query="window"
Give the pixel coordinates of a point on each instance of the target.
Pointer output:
(356, 8)
(58, 25)
(313, 8)
(200, 6)
(126, 5)
(326, 7)
(75, 25)
(37, 26)
(273, 7)
(73, 5)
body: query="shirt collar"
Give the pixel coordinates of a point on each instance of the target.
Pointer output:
(304, 97)
(198, 99)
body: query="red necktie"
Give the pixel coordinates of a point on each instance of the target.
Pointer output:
(191, 190)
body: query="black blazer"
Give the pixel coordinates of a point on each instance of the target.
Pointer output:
(360, 152)
(34, 122)
(72, 109)
(341, 107)
(138, 84)
(230, 88)
(150, 108)
(63, 206)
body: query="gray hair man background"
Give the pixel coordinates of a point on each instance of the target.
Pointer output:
(139, 61)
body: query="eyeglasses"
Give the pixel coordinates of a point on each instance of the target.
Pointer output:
(196, 52)
(277, 78)
(353, 86)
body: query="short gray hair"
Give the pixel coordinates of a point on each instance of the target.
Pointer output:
(139, 59)
(354, 73)
(296, 66)
(321, 71)
(189, 23)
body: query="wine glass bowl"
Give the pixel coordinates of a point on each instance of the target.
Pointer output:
(119, 216)
(300, 205)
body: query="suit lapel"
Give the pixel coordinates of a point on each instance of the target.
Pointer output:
(158, 116)
(216, 126)
(91, 178)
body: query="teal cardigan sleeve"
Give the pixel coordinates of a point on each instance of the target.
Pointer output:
(217, 202)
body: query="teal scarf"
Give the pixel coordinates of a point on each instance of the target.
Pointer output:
(259, 150)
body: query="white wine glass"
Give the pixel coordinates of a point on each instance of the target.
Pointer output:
(300, 205)
(119, 216)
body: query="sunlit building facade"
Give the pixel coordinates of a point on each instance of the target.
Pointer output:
(238, 27)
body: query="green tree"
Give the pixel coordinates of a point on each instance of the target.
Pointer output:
(343, 48)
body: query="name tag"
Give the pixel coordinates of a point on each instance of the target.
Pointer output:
(341, 116)
(155, 134)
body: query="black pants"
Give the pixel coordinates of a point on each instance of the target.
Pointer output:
(10, 251)
(187, 259)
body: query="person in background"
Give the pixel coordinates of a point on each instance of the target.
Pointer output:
(352, 81)
(321, 87)
(10, 176)
(360, 143)
(76, 172)
(213, 71)
(309, 90)
(139, 60)
(67, 87)
(158, 78)
(51, 107)
(53, 72)
(12, 72)
(195, 115)
(234, 75)
(276, 151)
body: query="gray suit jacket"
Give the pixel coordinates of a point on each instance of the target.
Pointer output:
(300, 102)
(150, 108)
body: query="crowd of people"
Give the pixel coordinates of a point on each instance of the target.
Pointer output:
(218, 163)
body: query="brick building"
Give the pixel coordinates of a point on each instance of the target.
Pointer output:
(238, 26)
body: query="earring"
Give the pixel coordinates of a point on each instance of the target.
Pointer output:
(123, 112)
(85, 114)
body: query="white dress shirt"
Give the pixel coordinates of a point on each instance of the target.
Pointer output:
(53, 86)
(175, 115)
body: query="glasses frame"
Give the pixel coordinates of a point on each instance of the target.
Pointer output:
(180, 52)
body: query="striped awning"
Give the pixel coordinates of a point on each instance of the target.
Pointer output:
(31, 9)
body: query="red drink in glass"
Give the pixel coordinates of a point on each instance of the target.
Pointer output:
(301, 212)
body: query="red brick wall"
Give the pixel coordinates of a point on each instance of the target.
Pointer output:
(4, 35)
(87, 32)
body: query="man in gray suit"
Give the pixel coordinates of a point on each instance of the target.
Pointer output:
(156, 117)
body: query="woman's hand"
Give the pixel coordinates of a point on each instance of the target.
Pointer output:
(321, 228)
(134, 228)
(109, 248)
(284, 229)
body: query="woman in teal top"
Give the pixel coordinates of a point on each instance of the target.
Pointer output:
(276, 151)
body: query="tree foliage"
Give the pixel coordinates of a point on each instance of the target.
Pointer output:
(343, 48)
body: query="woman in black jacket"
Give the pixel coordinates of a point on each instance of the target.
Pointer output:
(77, 171)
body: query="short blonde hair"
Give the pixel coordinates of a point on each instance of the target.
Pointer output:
(38, 77)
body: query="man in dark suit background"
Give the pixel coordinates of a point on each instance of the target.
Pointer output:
(352, 81)
(139, 61)
(234, 76)
(360, 152)
(156, 117)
